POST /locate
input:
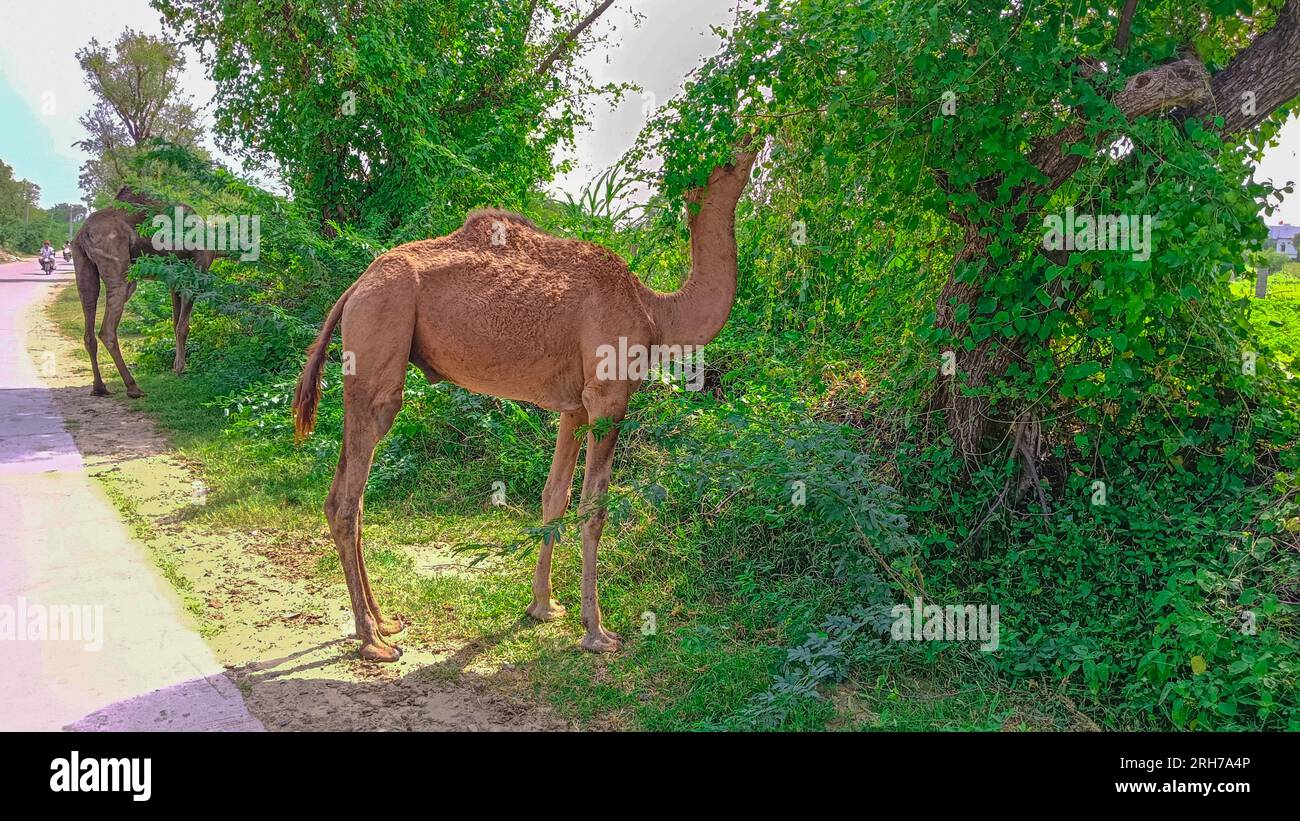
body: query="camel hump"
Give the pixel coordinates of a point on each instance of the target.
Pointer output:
(492, 225)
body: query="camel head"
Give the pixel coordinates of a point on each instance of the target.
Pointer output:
(726, 183)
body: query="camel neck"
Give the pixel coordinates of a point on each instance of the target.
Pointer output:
(695, 313)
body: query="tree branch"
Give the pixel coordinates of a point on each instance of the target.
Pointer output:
(1257, 81)
(1162, 88)
(570, 38)
(1125, 23)
(1261, 78)
(494, 90)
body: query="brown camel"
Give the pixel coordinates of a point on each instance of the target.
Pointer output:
(500, 308)
(104, 249)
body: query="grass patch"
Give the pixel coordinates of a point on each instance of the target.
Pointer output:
(1276, 318)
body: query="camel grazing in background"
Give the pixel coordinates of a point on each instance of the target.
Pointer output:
(500, 308)
(103, 250)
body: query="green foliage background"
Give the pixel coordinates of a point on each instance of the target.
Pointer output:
(1133, 610)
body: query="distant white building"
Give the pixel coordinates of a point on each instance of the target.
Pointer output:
(1283, 238)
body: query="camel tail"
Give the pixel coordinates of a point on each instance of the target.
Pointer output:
(307, 394)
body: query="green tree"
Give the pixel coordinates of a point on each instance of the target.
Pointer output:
(69, 215)
(403, 112)
(137, 83)
(1266, 262)
(23, 224)
(17, 197)
(918, 154)
(968, 124)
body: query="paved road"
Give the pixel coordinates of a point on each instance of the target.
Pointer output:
(126, 656)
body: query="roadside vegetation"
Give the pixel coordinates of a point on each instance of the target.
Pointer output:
(1166, 603)
(24, 225)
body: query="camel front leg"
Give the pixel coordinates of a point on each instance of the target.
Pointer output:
(181, 309)
(555, 500)
(592, 508)
(388, 625)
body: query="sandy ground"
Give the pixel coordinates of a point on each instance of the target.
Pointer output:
(284, 637)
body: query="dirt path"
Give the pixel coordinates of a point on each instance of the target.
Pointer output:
(284, 637)
(124, 655)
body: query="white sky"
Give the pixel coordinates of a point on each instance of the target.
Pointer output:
(38, 45)
(38, 41)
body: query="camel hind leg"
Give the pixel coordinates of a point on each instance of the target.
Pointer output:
(376, 345)
(112, 267)
(88, 293)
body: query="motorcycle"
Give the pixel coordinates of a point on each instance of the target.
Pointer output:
(47, 264)
(67, 255)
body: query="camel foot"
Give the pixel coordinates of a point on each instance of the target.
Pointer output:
(391, 626)
(549, 611)
(100, 390)
(375, 651)
(601, 641)
(134, 392)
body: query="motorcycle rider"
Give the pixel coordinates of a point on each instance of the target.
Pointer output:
(67, 252)
(47, 256)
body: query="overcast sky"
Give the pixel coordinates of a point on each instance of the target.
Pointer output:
(42, 92)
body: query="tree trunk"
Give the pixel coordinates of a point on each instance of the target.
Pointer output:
(967, 416)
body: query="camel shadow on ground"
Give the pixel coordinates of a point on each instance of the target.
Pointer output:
(104, 429)
(294, 692)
